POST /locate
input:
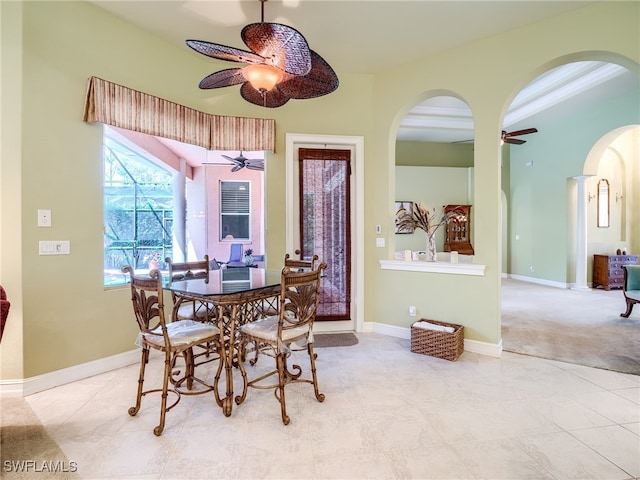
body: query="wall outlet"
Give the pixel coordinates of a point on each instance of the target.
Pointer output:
(44, 218)
(412, 311)
(380, 242)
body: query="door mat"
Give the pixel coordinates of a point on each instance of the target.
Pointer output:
(322, 340)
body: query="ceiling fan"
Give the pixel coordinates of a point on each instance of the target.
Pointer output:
(280, 65)
(508, 137)
(241, 162)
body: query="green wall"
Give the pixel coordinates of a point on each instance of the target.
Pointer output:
(61, 314)
(432, 154)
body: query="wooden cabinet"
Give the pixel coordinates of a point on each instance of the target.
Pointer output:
(607, 270)
(457, 237)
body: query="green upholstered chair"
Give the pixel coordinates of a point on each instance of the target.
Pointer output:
(631, 288)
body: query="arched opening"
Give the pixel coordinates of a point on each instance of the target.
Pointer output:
(578, 144)
(434, 164)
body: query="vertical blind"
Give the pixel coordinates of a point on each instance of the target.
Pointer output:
(123, 107)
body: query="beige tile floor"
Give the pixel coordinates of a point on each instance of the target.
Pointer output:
(388, 413)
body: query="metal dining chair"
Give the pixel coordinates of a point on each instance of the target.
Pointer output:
(189, 310)
(175, 339)
(280, 335)
(300, 265)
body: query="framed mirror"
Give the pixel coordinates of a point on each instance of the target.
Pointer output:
(603, 203)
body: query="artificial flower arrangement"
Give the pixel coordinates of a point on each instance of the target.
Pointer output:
(426, 219)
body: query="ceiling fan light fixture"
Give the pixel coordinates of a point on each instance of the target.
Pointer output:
(300, 73)
(261, 76)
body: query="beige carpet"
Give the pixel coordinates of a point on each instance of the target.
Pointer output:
(26, 449)
(322, 340)
(581, 327)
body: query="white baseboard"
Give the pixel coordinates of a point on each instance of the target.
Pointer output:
(474, 346)
(29, 386)
(39, 383)
(539, 281)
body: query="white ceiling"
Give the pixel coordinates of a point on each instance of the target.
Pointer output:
(364, 37)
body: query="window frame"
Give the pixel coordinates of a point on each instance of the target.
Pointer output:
(223, 237)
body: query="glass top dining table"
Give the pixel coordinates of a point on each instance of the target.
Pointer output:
(233, 296)
(225, 281)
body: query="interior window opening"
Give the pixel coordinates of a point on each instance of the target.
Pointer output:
(138, 211)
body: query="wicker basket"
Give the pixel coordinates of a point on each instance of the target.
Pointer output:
(438, 344)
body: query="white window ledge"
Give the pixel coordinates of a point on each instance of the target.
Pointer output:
(433, 267)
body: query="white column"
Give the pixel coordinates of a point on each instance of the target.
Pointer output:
(581, 234)
(179, 212)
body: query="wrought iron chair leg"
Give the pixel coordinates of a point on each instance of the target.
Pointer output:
(216, 380)
(144, 358)
(245, 382)
(189, 367)
(165, 389)
(281, 364)
(312, 359)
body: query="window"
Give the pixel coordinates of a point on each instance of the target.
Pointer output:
(138, 210)
(235, 210)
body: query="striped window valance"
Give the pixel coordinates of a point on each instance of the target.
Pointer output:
(124, 107)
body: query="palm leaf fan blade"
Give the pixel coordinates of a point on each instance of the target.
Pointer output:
(321, 80)
(223, 78)
(283, 46)
(224, 52)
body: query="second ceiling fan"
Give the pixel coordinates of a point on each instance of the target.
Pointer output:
(509, 137)
(241, 162)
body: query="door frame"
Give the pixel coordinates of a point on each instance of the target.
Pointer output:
(293, 140)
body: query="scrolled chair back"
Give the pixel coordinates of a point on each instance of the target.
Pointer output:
(300, 265)
(148, 301)
(187, 270)
(300, 295)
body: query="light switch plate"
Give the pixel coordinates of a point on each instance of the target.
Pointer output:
(380, 242)
(54, 247)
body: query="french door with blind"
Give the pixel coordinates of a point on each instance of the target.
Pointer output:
(349, 283)
(324, 204)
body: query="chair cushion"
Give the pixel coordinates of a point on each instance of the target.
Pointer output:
(184, 332)
(633, 277)
(266, 329)
(634, 294)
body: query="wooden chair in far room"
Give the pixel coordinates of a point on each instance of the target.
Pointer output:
(279, 335)
(175, 339)
(189, 310)
(631, 287)
(300, 265)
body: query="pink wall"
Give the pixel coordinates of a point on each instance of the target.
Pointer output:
(216, 247)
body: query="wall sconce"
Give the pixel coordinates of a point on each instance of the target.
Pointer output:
(590, 197)
(618, 197)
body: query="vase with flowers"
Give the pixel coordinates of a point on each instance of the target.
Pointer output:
(153, 260)
(426, 219)
(248, 257)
